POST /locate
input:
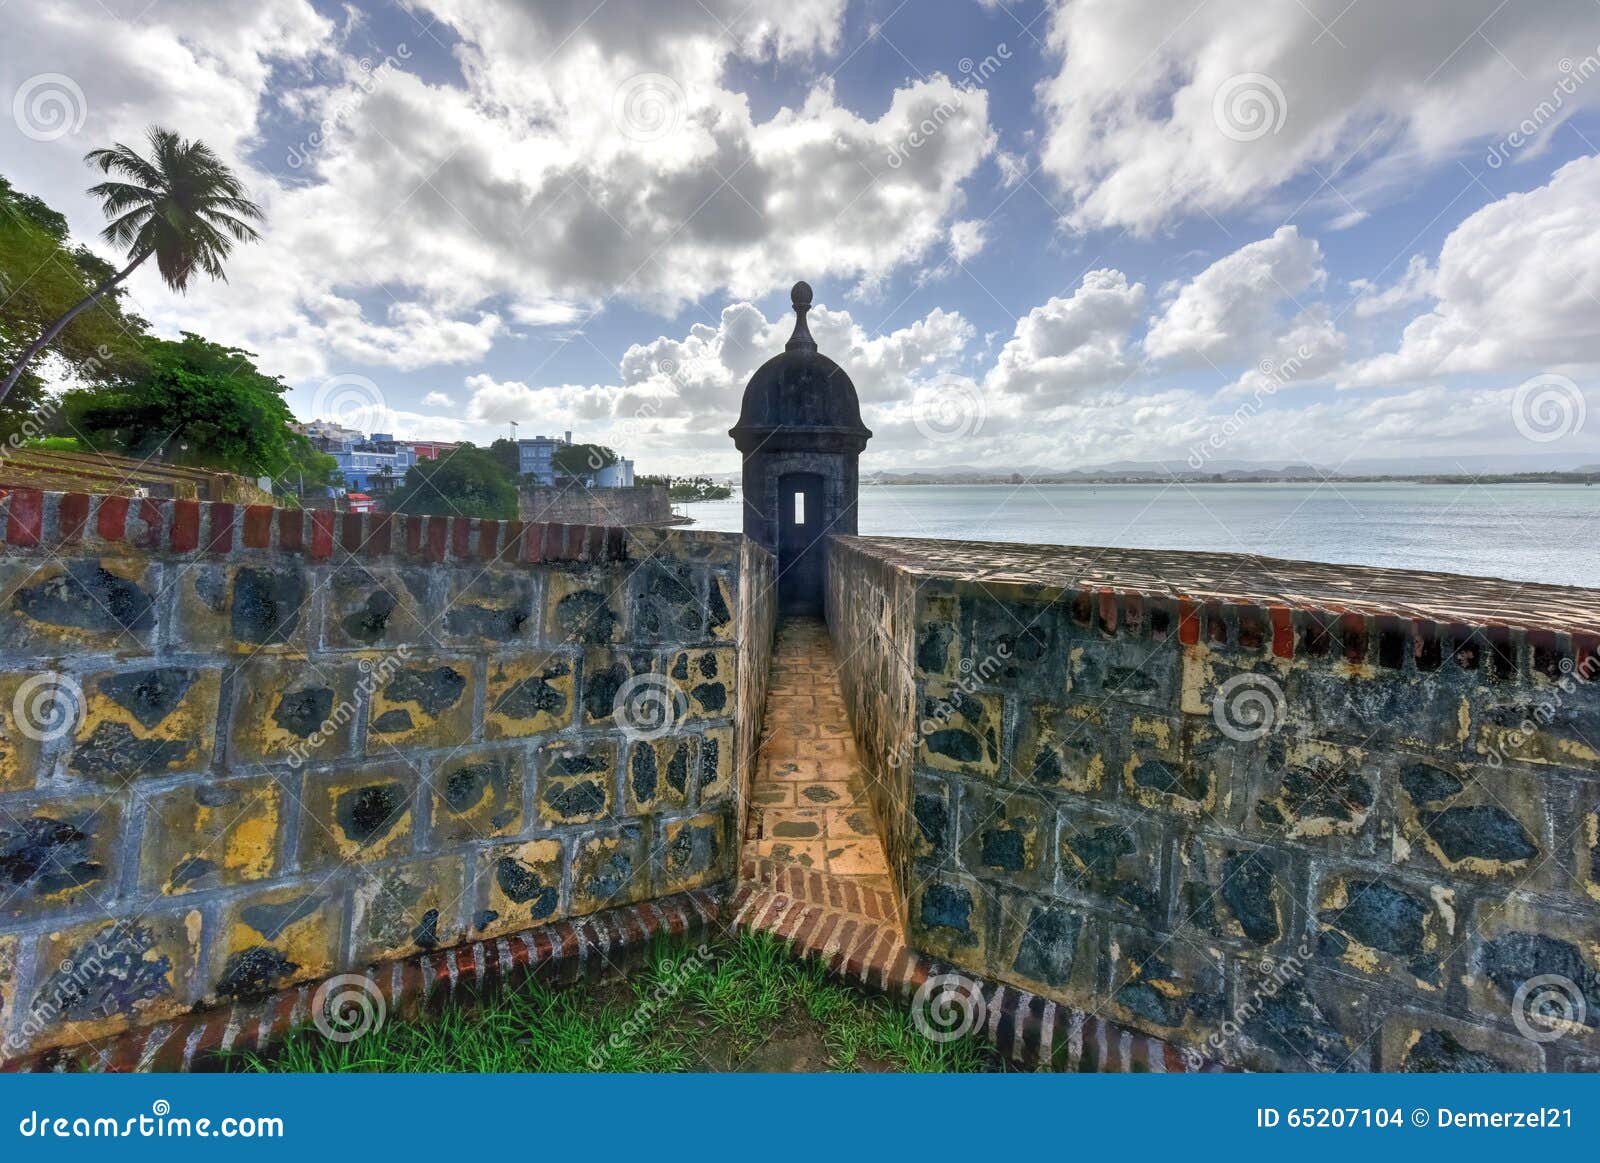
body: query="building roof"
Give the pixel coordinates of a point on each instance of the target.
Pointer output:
(801, 391)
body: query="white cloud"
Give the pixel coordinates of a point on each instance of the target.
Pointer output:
(1068, 345)
(1515, 286)
(1132, 133)
(438, 400)
(1310, 349)
(585, 154)
(547, 409)
(678, 397)
(967, 239)
(1414, 285)
(414, 335)
(1230, 310)
(1013, 167)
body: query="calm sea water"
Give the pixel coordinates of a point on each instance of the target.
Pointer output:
(1547, 533)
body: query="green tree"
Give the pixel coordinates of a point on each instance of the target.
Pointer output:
(182, 205)
(508, 455)
(467, 481)
(311, 469)
(198, 403)
(576, 460)
(689, 488)
(42, 275)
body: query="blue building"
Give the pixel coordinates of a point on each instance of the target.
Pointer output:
(535, 456)
(368, 468)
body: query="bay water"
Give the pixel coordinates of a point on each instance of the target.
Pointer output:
(1544, 533)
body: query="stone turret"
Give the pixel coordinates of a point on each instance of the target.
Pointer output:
(801, 434)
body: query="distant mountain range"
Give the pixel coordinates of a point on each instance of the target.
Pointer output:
(1496, 464)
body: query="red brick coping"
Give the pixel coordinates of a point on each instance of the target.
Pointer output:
(855, 931)
(55, 521)
(1360, 614)
(566, 951)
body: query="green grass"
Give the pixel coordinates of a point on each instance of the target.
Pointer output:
(748, 1004)
(55, 443)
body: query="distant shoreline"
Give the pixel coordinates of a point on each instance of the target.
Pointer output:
(1552, 478)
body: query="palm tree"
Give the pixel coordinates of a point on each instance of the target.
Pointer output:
(183, 205)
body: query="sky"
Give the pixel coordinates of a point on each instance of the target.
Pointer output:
(1040, 234)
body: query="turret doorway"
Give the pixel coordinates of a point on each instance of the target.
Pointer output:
(800, 534)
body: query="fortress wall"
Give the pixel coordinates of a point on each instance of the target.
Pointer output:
(245, 747)
(1291, 816)
(574, 505)
(756, 631)
(871, 610)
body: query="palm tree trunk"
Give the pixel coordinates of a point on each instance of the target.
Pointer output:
(60, 324)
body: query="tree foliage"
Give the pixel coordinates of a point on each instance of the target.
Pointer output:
(42, 275)
(182, 204)
(577, 460)
(690, 488)
(508, 455)
(197, 403)
(468, 482)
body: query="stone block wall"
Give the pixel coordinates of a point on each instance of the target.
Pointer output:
(871, 612)
(575, 505)
(756, 633)
(1287, 816)
(245, 747)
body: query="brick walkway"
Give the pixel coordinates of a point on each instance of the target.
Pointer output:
(813, 874)
(809, 802)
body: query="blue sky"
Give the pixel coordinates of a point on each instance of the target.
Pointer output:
(1059, 234)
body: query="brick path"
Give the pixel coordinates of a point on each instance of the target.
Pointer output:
(808, 806)
(813, 874)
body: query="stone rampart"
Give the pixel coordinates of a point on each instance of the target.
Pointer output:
(575, 505)
(1290, 816)
(246, 747)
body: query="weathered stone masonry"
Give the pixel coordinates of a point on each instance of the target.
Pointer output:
(575, 505)
(309, 742)
(1362, 878)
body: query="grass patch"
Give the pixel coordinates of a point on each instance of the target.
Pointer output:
(745, 1004)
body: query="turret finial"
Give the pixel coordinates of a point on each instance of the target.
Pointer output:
(801, 340)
